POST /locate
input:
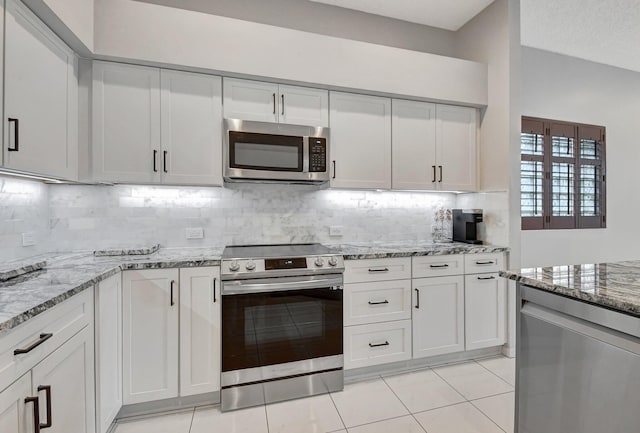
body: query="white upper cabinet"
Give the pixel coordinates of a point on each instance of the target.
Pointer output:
(40, 100)
(456, 151)
(434, 146)
(126, 123)
(191, 128)
(413, 145)
(270, 102)
(360, 141)
(303, 106)
(153, 126)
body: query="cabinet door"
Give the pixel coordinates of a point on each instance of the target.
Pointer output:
(413, 145)
(456, 148)
(150, 335)
(126, 123)
(16, 416)
(485, 311)
(199, 330)
(438, 316)
(69, 374)
(108, 339)
(40, 97)
(191, 128)
(250, 100)
(304, 106)
(360, 141)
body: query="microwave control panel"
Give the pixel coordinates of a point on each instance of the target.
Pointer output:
(317, 154)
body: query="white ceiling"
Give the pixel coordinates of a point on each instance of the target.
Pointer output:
(444, 14)
(603, 31)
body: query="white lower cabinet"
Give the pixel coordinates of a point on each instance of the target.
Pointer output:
(377, 343)
(485, 311)
(66, 379)
(381, 301)
(199, 330)
(171, 333)
(150, 307)
(16, 416)
(108, 351)
(438, 316)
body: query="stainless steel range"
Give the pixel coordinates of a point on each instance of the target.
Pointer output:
(281, 323)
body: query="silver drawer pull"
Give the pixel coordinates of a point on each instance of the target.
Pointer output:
(379, 303)
(439, 266)
(490, 262)
(378, 270)
(487, 278)
(386, 343)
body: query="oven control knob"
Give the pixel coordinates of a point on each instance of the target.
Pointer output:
(250, 266)
(234, 266)
(319, 262)
(333, 261)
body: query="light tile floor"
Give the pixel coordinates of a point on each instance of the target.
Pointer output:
(471, 397)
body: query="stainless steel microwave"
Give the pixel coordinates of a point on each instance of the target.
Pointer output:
(275, 152)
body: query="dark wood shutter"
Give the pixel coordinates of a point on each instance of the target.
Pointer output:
(532, 174)
(591, 177)
(562, 175)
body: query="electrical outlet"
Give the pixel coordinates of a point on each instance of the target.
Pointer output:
(28, 239)
(335, 230)
(195, 233)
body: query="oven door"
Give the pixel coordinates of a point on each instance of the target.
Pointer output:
(280, 320)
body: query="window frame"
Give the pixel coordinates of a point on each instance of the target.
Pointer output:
(549, 128)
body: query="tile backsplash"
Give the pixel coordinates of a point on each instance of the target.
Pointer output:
(88, 217)
(83, 217)
(24, 208)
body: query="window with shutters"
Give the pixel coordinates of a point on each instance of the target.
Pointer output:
(562, 175)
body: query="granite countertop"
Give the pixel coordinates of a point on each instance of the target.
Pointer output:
(613, 285)
(65, 275)
(34, 291)
(374, 250)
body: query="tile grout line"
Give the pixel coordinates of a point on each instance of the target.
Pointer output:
(193, 415)
(337, 410)
(486, 415)
(405, 406)
(492, 372)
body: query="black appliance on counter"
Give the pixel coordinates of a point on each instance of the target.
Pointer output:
(465, 225)
(281, 323)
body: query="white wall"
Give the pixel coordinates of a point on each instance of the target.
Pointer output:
(565, 88)
(127, 29)
(486, 39)
(72, 20)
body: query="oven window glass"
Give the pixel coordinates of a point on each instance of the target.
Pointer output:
(277, 327)
(265, 152)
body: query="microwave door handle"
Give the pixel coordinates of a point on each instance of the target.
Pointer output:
(305, 154)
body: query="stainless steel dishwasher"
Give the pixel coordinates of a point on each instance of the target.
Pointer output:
(578, 367)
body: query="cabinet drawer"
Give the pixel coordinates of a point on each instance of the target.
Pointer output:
(382, 301)
(362, 271)
(438, 266)
(377, 343)
(480, 263)
(62, 321)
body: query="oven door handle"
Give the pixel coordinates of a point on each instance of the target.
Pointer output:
(290, 283)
